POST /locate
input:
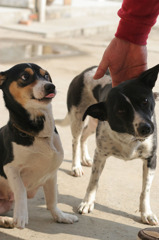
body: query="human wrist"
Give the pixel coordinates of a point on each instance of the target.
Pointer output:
(132, 32)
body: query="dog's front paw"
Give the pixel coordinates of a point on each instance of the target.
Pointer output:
(20, 218)
(77, 171)
(85, 207)
(62, 217)
(149, 218)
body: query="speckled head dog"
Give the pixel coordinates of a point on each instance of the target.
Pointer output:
(126, 128)
(30, 147)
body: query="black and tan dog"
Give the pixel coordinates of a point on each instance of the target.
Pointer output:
(30, 147)
(126, 128)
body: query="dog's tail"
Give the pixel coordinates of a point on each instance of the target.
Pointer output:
(63, 122)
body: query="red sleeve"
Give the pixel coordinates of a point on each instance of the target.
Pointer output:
(137, 19)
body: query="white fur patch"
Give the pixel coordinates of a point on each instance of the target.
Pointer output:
(36, 163)
(90, 83)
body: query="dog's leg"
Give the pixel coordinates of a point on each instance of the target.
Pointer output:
(147, 215)
(87, 205)
(76, 128)
(50, 190)
(20, 216)
(87, 131)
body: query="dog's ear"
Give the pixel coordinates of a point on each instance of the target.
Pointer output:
(97, 110)
(2, 78)
(149, 77)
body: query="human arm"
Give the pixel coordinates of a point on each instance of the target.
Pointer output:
(126, 55)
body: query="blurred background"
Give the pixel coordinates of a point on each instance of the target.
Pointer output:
(65, 37)
(49, 19)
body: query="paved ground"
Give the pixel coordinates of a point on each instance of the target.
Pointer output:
(116, 214)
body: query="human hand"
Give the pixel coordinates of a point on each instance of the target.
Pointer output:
(124, 59)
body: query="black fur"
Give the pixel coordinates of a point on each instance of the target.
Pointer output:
(101, 93)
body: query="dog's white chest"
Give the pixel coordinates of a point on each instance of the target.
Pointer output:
(120, 145)
(38, 162)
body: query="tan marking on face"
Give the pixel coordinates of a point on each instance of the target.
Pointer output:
(42, 72)
(21, 94)
(29, 70)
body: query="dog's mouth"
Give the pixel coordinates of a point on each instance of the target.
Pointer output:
(50, 96)
(46, 98)
(140, 139)
(43, 92)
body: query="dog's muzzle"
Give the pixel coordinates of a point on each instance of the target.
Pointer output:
(50, 90)
(145, 129)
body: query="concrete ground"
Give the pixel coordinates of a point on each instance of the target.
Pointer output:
(116, 214)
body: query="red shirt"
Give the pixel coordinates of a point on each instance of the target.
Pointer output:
(137, 19)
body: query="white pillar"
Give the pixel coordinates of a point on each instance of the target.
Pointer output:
(41, 10)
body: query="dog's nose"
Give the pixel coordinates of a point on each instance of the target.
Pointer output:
(144, 129)
(49, 87)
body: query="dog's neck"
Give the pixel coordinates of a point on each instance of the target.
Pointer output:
(49, 124)
(38, 123)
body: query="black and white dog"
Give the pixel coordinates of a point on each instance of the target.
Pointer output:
(126, 128)
(30, 147)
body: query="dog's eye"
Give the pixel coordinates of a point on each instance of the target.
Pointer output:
(145, 101)
(25, 76)
(46, 76)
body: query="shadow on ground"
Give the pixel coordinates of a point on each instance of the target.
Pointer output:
(89, 226)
